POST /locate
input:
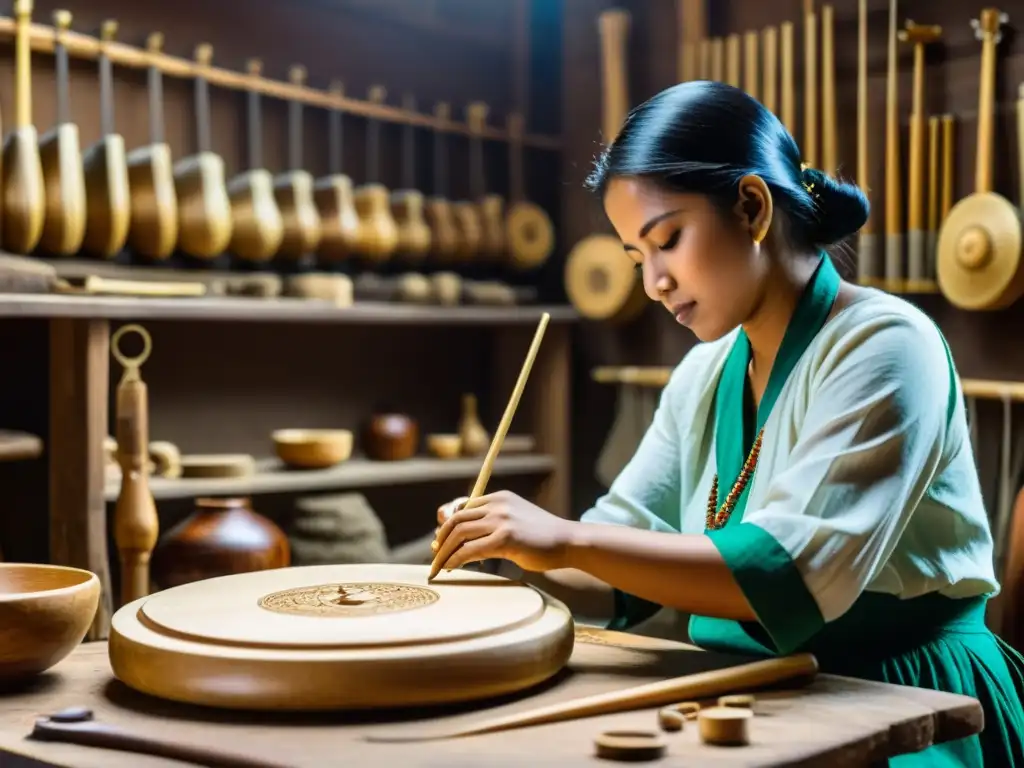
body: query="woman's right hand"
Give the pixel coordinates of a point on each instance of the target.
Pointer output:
(447, 510)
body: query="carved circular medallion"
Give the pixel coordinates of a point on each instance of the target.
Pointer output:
(349, 600)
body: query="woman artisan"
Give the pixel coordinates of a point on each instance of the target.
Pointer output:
(807, 483)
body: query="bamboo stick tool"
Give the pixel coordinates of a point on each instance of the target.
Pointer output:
(893, 193)
(934, 183)
(60, 155)
(717, 60)
(919, 36)
(979, 261)
(799, 668)
(108, 208)
(811, 64)
(333, 194)
(600, 282)
(732, 60)
(750, 62)
(153, 231)
(946, 201)
(136, 525)
(787, 100)
(490, 206)
(444, 235)
(407, 203)
(867, 255)
(24, 201)
(378, 232)
(770, 64)
(506, 421)
(293, 190)
(530, 233)
(257, 225)
(829, 153)
(204, 207)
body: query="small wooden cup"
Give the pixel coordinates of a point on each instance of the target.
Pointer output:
(444, 446)
(313, 448)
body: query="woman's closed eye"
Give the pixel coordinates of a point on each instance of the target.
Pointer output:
(672, 242)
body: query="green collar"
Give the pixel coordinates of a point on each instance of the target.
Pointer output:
(735, 430)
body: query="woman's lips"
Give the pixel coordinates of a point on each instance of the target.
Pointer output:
(684, 312)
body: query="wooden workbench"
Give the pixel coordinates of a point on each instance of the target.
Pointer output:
(834, 722)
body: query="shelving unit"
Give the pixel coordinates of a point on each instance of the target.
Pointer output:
(273, 477)
(80, 391)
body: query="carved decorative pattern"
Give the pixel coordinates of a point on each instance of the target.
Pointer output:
(349, 600)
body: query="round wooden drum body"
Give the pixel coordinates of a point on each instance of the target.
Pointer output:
(340, 637)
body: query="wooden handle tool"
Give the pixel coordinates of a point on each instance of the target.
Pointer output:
(946, 200)
(797, 669)
(934, 181)
(893, 191)
(787, 102)
(77, 726)
(506, 422)
(867, 258)
(919, 36)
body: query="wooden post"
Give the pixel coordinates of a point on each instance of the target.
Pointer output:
(79, 390)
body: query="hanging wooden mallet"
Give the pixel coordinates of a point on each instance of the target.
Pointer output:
(502, 430)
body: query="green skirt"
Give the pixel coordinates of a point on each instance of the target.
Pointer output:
(927, 642)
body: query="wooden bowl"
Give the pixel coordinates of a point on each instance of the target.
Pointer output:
(45, 611)
(444, 446)
(313, 448)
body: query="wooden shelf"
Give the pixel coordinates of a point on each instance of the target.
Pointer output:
(270, 310)
(18, 446)
(82, 46)
(274, 477)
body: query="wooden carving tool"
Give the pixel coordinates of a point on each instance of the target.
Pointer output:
(531, 236)
(793, 670)
(153, 232)
(829, 157)
(24, 201)
(979, 260)
(203, 204)
(732, 61)
(918, 35)
(809, 150)
(750, 62)
(502, 430)
(108, 208)
(934, 182)
(867, 254)
(333, 195)
(136, 525)
(770, 49)
(946, 200)
(293, 189)
(893, 193)
(60, 155)
(601, 284)
(257, 225)
(444, 235)
(787, 100)
(491, 206)
(407, 203)
(378, 232)
(76, 726)
(717, 59)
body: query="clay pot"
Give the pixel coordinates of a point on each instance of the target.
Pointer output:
(221, 537)
(391, 437)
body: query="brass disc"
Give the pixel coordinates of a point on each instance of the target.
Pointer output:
(602, 282)
(979, 254)
(531, 236)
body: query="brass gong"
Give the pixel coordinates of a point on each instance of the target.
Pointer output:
(979, 261)
(602, 282)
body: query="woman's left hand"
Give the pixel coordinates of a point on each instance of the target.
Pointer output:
(506, 526)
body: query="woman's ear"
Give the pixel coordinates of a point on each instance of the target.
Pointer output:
(754, 206)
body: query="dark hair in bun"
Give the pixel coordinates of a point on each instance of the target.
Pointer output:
(703, 137)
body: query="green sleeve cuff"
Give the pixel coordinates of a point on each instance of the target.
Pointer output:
(771, 583)
(630, 610)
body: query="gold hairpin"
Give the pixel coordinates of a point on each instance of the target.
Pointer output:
(808, 187)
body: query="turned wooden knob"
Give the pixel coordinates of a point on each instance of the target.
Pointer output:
(974, 250)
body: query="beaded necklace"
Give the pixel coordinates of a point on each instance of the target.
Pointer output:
(715, 519)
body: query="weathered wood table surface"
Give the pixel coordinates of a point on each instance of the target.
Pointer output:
(834, 722)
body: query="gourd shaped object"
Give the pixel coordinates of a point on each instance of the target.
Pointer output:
(378, 232)
(473, 436)
(333, 195)
(407, 203)
(293, 190)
